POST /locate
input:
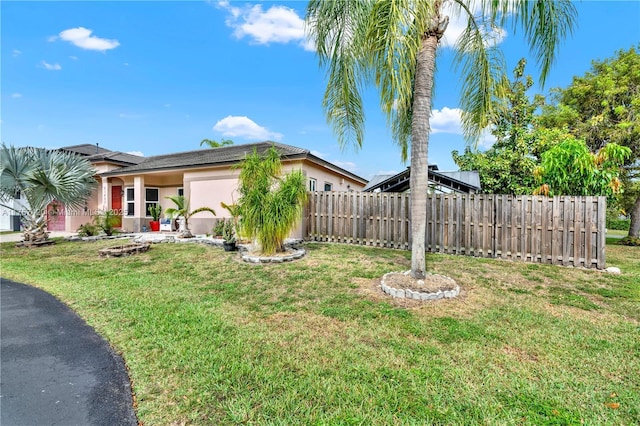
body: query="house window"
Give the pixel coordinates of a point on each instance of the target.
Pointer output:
(312, 184)
(328, 186)
(129, 201)
(151, 198)
(180, 192)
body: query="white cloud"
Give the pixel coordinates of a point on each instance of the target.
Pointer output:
(486, 140)
(16, 95)
(278, 24)
(75, 58)
(458, 22)
(235, 126)
(51, 67)
(126, 64)
(167, 105)
(446, 120)
(138, 153)
(16, 52)
(317, 153)
(82, 38)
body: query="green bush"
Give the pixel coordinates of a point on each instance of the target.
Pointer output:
(630, 241)
(106, 221)
(88, 230)
(618, 224)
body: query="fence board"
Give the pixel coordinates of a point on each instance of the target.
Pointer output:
(559, 230)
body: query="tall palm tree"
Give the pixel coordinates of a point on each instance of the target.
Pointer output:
(215, 144)
(393, 44)
(43, 176)
(182, 210)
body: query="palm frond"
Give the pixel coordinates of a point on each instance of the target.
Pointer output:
(483, 67)
(545, 24)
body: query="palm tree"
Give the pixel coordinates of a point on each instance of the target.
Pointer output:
(393, 44)
(270, 205)
(215, 144)
(42, 177)
(182, 210)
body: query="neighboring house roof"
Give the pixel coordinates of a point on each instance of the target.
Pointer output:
(377, 179)
(221, 156)
(458, 181)
(95, 154)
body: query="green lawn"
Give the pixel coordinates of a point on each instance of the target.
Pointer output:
(210, 340)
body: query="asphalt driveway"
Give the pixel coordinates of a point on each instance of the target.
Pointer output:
(54, 369)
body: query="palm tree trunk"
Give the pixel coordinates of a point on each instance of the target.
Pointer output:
(35, 228)
(634, 229)
(420, 129)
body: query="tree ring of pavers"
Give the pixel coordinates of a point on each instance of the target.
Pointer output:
(419, 295)
(292, 254)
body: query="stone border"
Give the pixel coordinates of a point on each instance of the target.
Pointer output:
(124, 250)
(417, 295)
(296, 253)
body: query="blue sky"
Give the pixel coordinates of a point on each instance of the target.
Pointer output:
(158, 77)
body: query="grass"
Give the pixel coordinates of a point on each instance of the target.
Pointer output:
(615, 233)
(210, 340)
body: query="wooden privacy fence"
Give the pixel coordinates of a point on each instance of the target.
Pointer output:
(563, 230)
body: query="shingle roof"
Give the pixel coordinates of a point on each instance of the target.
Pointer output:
(85, 149)
(94, 153)
(208, 157)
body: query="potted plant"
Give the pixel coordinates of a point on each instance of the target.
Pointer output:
(229, 236)
(155, 210)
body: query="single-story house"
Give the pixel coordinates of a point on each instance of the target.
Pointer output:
(129, 184)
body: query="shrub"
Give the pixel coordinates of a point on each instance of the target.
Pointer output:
(88, 230)
(618, 224)
(630, 241)
(106, 221)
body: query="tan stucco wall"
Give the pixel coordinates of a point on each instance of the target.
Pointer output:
(208, 189)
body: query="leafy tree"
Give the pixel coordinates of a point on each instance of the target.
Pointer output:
(507, 167)
(182, 209)
(601, 107)
(570, 168)
(43, 176)
(393, 43)
(269, 205)
(215, 144)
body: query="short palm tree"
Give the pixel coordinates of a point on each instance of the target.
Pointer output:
(393, 44)
(42, 177)
(215, 144)
(182, 210)
(270, 205)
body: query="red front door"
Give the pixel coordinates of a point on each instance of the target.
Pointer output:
(116, 203)
(55, 217)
